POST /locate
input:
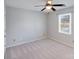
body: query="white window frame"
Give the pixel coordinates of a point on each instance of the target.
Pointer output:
(62, 15)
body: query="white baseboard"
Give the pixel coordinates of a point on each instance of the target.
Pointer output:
(64, 42)
(23, 42)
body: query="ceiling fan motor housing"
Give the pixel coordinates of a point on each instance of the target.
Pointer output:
(48, 4)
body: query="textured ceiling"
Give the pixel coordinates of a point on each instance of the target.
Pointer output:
(30, 4)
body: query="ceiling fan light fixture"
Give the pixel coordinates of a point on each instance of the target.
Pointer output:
(48, 7)
(49, 2)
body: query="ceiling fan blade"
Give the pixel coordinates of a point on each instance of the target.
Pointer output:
(58, 5)
(53, 9)
(43, 9)
(39, 5)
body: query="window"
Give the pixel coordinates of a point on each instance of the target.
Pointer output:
(65, 23)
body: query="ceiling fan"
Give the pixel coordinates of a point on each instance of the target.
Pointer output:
(49, 5)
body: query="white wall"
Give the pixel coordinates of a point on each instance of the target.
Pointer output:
(53, 27)
(24, 26)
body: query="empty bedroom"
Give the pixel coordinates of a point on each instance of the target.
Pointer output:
(39, 29)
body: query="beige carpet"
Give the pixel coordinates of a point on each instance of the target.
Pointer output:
(41, 49)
